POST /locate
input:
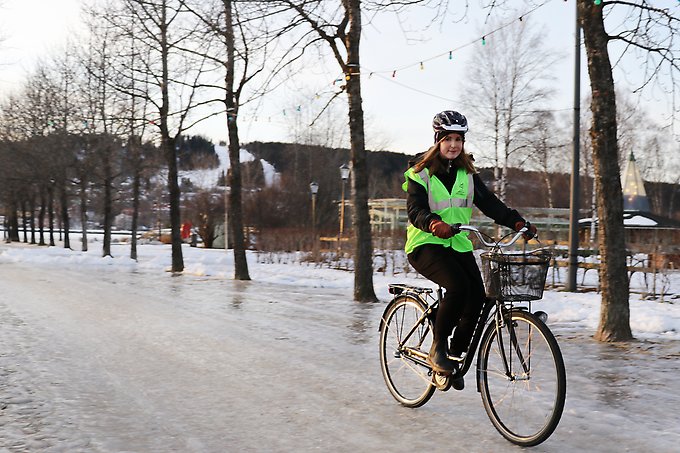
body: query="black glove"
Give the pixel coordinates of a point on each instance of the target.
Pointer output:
(533, 231)
(441, 229)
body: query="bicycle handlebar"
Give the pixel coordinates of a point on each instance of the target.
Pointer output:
(481, 238)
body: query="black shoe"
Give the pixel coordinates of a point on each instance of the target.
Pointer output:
(458, 383)
(439, 360)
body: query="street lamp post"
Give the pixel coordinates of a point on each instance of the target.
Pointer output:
(314, 189)
(344, 175)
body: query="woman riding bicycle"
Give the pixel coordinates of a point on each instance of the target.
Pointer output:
(442, 186)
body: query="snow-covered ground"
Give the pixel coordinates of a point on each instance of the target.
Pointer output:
(112, 355)
(648, 318)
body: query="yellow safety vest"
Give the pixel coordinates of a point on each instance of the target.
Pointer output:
(452, 207)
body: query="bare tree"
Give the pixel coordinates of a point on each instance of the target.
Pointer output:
(114, 58)
(311, 126)
(240, 38)
(162, 31)
(43, 114)
(101, 125)
(544, 147)
(508, 83)
(653, 31)
(339, 28)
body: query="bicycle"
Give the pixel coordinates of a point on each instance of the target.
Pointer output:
(520, 370)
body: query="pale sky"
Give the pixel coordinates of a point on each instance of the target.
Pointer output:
(32, 29)
(398, 110)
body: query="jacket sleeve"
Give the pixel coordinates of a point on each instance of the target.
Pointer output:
(492, 207)
(418, 206)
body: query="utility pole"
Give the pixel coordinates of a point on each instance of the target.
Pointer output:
(575, 186)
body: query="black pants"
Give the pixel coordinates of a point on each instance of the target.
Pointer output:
(462, 304)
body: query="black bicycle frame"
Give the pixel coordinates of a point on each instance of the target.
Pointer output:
(482, 322)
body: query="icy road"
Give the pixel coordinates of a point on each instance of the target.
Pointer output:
(92, 361)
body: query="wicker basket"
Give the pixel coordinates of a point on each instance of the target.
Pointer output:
(515, 276)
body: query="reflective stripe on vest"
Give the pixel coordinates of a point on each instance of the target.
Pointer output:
(448, 202)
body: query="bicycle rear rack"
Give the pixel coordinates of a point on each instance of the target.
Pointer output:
(398, 288)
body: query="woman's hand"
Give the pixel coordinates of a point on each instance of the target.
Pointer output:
(533, 231)
(441, 229)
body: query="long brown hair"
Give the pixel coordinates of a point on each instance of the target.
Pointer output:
(432, 160)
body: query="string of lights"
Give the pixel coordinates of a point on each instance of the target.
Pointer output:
(390, 74)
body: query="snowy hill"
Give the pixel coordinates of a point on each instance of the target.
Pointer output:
(208, 178)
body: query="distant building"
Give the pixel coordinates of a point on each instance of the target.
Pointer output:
(634, 194)
(645, 231)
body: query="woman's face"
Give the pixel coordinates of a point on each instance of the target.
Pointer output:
(451, 146)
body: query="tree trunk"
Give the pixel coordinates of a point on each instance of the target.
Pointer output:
(13, 221)
(363, 255)
(235, 180)
(548, 187)
(83, 213)
(614, 312)
(41, 217)
(174, 195)
(24, 221)
(168, 145)
(50, 212)
(32, 218)
(108, 208)
(136, 183)
(64, 216)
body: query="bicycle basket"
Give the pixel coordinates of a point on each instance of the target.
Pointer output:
(515, 276)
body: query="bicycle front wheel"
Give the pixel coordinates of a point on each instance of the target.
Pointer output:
(522, 379)
(402, 359)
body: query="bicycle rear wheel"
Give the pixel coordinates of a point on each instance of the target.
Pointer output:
(406, 374)
(526, 402)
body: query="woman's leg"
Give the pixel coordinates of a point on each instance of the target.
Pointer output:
(440, 265)
(471, 307)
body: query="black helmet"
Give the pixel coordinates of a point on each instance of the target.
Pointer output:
(448, 121)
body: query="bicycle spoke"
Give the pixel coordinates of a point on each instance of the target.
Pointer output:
(406, 378)
(523, 380)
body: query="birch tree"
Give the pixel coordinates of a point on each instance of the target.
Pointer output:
(508, 81)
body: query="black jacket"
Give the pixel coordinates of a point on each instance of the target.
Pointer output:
(418, 207)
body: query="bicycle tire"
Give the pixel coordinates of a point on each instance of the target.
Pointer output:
(527, 407)
(408, 380)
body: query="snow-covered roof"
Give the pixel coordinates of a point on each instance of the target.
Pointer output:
(639, 219)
